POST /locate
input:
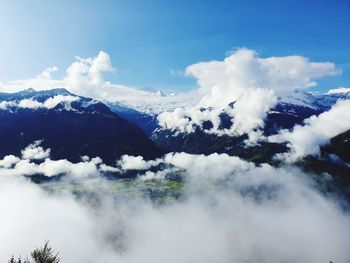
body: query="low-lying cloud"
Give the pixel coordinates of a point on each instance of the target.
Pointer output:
(230, 211)
(36, 160)
(317, 131)
(50, 103)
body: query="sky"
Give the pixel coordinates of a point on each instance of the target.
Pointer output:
(152, 42)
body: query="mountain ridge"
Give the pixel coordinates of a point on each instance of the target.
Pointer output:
(89, 128)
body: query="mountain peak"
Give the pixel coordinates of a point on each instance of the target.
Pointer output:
(56, 91)
(340, 90)
(29, 90)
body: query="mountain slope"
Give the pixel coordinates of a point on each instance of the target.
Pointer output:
(86, 127)
(288, 112)
(148, 123)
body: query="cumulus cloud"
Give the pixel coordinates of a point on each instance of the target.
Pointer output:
(225, 81)
(46, 74)
(36, 160)
(8, 161)
(35, 152)
(233, 211)
(128, 162)
(317, 131)
(6, 104)
(208, 166)
(251, 83)
(50, 103)
(47, 168)
(84, 76)
(29, 104)
(200, 165)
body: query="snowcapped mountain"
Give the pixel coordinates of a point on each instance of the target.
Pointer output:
(69, 125)
(147, 100)
(111, 129)
(289, 111)
(316, 101)
(33, 94)
(73, 126)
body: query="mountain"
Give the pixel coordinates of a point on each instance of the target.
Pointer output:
(339, 146)
(331, 168)
(147, 122)
(69, 125)
(289, 111)
(83, 126)
(159, 93)
(73, 126)
(333, 164)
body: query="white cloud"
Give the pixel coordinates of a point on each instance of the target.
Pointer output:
(253, 83)
(211, 166)
(84, 77)
(128, 162)
(9, 161)
(49, 168)
(233, 211)
(317, 131)
(250, 110)
(46, 74)
(28, 164)
(35, 152)
(6, 104)
(50, 103)
(222, 82)
(66, 100)
(29, 104)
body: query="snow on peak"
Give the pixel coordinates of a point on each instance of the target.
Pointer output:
(298, 98)
(340, 90)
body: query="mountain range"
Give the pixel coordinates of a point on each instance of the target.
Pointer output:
(83, 126)
(73, 126)
(72, 129)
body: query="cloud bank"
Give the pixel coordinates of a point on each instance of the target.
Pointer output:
(317, 131)
(231, 211)
(35, 152)
(36, 160)
(50, 103)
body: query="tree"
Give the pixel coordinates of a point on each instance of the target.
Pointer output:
(19, 260)
(45, 255)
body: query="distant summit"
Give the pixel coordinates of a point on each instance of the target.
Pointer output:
(155, 91)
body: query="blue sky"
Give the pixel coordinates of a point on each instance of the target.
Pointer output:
(146, 39)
